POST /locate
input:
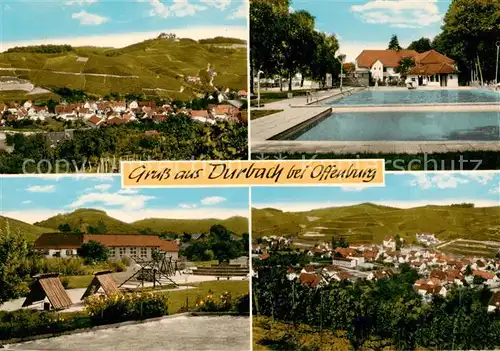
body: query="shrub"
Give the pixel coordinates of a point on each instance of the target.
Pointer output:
(122, 307)
(242, 304)
(65, 282)
(209, 304)
(27, 322)
(63, 266)
(116, 266)
(127, 261)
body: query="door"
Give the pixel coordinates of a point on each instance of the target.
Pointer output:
(420, 80)
(444, 80)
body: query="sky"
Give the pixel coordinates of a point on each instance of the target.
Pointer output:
(35, 198)
(117, 23)
(403, 190)
(369, 24)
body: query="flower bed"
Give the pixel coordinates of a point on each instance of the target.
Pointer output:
(123, 307)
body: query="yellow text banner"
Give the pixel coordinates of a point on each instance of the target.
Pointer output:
(246, 173)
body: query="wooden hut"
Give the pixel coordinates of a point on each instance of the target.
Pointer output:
(48, 286)
(102, 280)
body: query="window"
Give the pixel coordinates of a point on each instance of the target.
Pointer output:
(451, 77)
(69, 252)
(133, 251)
(432, 78)
(385, 69)
(144, 252)
(413, 79)
(123, 251)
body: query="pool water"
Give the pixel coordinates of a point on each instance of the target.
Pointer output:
(403, 126)
(406, 96)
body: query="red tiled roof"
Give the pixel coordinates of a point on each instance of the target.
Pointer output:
(389, 58)
(483, 274)
(309, 279)
(433, 68)
(346, 251)
(116, 121)
(438, 274)
(432, 56)
(59, 241)
(94, 119)
(199, 113)
(264, 256)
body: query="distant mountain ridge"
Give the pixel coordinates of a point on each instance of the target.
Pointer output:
(82, 219)
(368, 222)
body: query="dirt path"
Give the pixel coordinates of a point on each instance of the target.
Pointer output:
(67, 73)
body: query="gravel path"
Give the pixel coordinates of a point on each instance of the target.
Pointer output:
(178, 333)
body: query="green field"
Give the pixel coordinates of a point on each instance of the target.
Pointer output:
(152, 64)
(471, 248)
(29, 231)
(181, 298)
(365, 223)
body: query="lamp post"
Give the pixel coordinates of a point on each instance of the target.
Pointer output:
(341, 60)
(496, 71)
(258, 88)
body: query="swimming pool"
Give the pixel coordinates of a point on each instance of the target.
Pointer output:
(403, 126)
(406, 96)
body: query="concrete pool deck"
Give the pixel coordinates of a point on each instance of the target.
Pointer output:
(267, 131)
(359, 147)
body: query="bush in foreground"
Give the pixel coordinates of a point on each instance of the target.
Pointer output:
(122, 307)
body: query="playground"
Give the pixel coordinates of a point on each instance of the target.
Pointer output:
(160, 274)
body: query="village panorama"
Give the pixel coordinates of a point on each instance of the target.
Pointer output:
(88, 106)
(377, 274)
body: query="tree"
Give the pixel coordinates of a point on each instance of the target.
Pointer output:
(186, 237)
(64, 228)
(478, 280)
(394, 43)
(99, 229)
(399, 242)
(349, 67)
(16, 262)
(324, 60)
(299, 43)
(469, 32)
(342, 242)
(420, 45)
(93, 251)
(405, 65)
(267, 30)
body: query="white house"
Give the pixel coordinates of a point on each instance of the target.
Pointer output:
(119, 245)
(381, 64)
(431, 68)
(434, 70)
(389, 242)
(28, 104)
(345, 262)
